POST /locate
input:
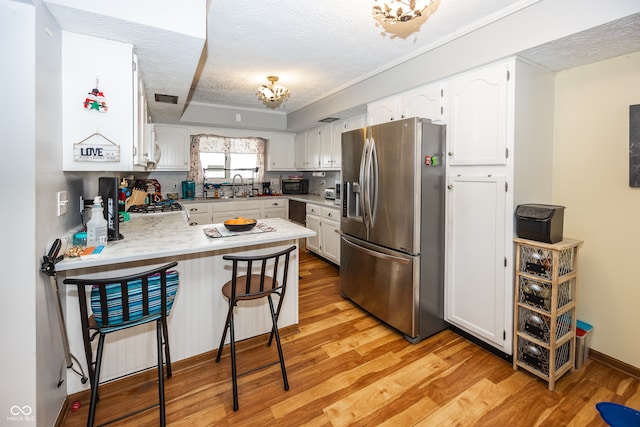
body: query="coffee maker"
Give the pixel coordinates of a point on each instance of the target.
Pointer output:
(108, 189)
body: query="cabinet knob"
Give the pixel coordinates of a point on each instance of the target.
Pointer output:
(450, 186)
(450, 153)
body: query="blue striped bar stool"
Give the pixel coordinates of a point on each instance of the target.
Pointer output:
(124, 302)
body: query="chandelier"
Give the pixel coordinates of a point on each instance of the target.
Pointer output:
(272, 95)
(403, 17)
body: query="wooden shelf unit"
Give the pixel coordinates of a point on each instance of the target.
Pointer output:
(544, 316)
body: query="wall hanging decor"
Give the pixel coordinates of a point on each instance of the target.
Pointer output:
(95, 100)
(634, 145)
(96, 148)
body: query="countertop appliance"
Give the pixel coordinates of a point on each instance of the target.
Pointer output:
(392, 224)
(295, 186)
(330, 193)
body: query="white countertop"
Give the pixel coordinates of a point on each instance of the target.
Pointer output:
(148, 236)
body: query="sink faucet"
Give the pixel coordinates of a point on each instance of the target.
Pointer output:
(233, 184)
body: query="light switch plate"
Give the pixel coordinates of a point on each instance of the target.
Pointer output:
(62, 201)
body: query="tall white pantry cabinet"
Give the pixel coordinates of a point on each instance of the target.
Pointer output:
(499, 149)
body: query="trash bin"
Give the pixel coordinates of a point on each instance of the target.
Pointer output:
(582, 349)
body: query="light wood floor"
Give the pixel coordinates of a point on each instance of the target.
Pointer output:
(346, 368)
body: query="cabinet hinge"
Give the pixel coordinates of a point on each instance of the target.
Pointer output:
(441, 111)
(133, 65)
(441, 92)
(508, 75)
(506, 153)
(504, 335)
(505, 261)
(506, 187)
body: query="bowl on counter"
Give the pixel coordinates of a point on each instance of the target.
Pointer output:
(240, 224)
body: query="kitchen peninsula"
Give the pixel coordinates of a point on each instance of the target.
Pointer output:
(197, 319)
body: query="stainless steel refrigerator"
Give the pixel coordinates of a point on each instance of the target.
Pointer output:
(392, 224)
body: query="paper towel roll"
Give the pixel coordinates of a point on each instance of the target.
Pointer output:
(319, 174)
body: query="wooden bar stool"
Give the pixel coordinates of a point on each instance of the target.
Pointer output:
(124, 302)
(246, 284)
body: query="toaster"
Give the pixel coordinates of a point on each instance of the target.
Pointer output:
(330, 193)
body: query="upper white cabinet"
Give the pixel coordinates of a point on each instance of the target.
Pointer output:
(478, 117)
(173, 142)
(307, 149)
(96, 138)
(281, 152)
(331, 146)
(384, 110)
(427, 102)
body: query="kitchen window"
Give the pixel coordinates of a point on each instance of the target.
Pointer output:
(216, 159)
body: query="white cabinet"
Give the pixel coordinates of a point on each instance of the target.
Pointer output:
(355, 122)
(307, 149)
(383, 111)
(174, 144)
(244, 208)
(331, 146)
(325, 221)
(475, 292)
(313, 223)
(281, 153)
(427, 102)
(216, 211)
(329, 237)
(275, 208)
(199, 213)
(95, 138)
(478, 117)
(514, 102)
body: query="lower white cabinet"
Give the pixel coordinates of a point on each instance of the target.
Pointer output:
(325, 221)
(475, 297)
(276, 208)
(216, 212)
(199, 213)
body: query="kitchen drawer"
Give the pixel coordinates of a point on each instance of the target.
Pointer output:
(330, 213)
(244, 205)
(313, 209)
(276, 203)
(197, 208)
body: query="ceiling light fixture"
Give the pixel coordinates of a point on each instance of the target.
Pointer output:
(272, 95)
(403, 17)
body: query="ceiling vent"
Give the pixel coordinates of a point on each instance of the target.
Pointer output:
(167, 99)
(329, 120)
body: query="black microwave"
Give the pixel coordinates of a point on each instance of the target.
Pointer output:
(295, 186)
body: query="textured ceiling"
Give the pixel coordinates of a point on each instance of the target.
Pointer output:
(316, 48)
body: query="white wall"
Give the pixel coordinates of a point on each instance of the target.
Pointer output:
(17, 305)
(31, 174)
(591, 178)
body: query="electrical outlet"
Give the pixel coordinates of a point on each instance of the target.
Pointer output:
(175, 184)
(62, 200)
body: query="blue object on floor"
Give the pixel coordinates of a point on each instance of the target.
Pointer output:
(618, 415)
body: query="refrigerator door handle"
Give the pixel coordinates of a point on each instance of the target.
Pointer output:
(374, 253)
(364, 186)
(372, 182)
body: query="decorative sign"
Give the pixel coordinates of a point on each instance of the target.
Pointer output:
(96, 148)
